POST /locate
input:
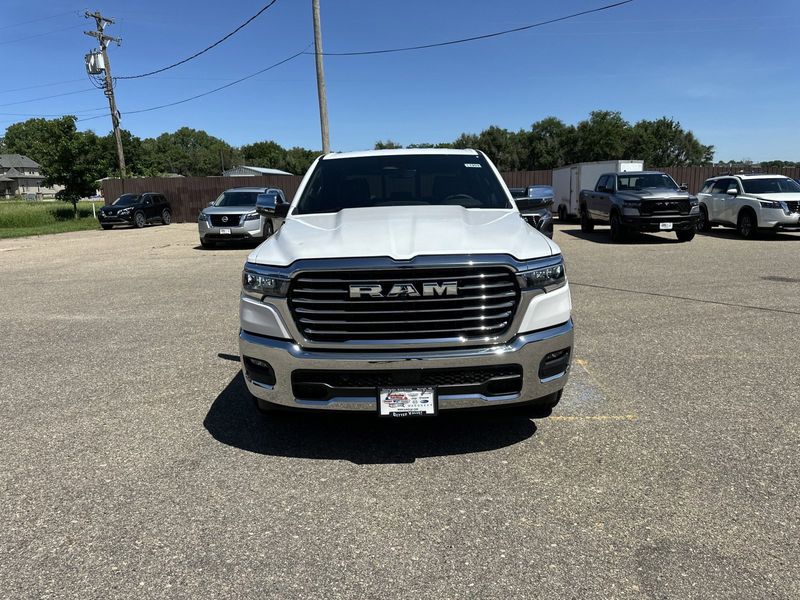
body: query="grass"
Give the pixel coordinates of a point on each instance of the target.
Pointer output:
(20, 218)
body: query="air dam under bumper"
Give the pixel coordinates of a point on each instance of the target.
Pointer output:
(527, 350)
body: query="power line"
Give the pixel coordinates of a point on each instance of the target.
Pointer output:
(204, 50)
(47, 97)
(35, 35)
(30, 87)
(62, 114)
(61, 14)
(480, 37)
(222, 87)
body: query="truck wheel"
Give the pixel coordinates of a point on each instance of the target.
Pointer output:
(586, 223)
(104, 226)
(562, 213)
(746, 225)
(618, 233)
(685, 235)
(269, 229)
(207, 245)
(166, 217)
(138, 220)
(703, 223)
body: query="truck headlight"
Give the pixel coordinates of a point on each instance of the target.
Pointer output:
(125, 211)
(251, 216)
(546, 278)
(202, 216)
(259, 284)
(770, 204)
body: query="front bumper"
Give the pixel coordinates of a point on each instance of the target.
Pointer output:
(526, 350)
(115, 219)
(652, 223)
(778, 220)
(249, 230)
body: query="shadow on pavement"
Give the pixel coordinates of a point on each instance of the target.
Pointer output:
(233, 419)
(762, 236)
(602, 236)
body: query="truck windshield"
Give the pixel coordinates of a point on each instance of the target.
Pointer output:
(643, 181)
(771, 185)
(402, 180)
(236, 199)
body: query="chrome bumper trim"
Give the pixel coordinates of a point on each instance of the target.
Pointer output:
(527, 350)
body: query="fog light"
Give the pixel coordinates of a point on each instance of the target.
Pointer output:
(259, 370)
(554, 364)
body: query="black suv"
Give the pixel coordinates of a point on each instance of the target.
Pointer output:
(136, 210)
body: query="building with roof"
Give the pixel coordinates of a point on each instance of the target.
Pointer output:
(245, 171)
(21, 176)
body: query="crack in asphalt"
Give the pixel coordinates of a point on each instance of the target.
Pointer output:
(660, 295)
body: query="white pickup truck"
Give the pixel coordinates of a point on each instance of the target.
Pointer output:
(404, 282)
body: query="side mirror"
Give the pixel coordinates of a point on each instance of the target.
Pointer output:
(211, 203)
(685, 187)
(271, 204)
(732, 192)
(539, 202)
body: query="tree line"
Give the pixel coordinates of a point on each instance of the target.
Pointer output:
(551, 143)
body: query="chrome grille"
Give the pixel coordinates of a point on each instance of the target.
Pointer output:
(653, 207)
(323, 310)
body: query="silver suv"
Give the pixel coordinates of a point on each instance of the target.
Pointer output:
(750, 203)
(233, 217)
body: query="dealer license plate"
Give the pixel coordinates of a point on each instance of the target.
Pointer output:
(407, 402)
(228, 231)
(665, 226)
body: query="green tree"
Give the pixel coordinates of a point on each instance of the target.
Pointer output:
(550, 144)
(190, 152)
(664, 143)
(603, 136)
(387, 145)
(70, 158)
(263, 154)
(298, 160)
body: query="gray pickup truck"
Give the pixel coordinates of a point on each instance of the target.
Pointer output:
(639, 201)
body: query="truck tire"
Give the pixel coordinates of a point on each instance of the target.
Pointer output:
(685, 235)
(703, 224)
(269, 229)
(586, 223)
(268, 408)
(139, 220)
(166, 217)
(106, 227)
(747, 224)
(207, 245)
(618, 232)
(562, 213)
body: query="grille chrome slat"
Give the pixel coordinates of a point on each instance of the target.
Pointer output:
(407, 322)
(323, 311)
(405, 311)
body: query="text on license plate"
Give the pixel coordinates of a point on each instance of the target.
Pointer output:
(665, 226)
(407, 402)
(228, 231)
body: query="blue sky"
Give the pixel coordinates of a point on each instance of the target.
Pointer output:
(729, 74)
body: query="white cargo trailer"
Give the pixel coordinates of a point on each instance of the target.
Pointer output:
(570, 180)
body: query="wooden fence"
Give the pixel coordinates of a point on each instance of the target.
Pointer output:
(189, 195)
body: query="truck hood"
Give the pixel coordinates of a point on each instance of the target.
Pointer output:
(655, 194)
(785, 196)
(403, 232)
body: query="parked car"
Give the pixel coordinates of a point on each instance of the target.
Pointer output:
(750, 203)
(136, 210)
(568, 182)
(534, 202)
(404, 282)
(639, 201)
(233, 217)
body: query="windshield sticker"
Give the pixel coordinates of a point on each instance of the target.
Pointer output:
(472, 165)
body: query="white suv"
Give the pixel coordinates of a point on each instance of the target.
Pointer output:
(750, 203)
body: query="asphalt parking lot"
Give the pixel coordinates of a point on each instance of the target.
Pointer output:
(134, 465)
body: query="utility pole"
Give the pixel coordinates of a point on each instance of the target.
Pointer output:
(323, 99)
(108, 87)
